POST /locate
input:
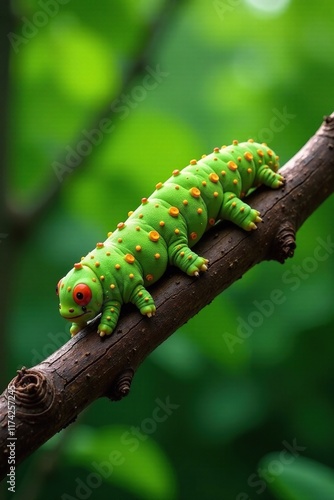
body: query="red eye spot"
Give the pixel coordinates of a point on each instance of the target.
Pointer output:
(58, 287)
(82, 294)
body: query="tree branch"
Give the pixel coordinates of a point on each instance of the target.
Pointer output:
(50, 395)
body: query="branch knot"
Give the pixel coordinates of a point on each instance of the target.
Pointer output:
(34, 395)
(121, 385)
(284, 243)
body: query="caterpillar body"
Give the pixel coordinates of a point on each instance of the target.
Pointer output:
(162, 231)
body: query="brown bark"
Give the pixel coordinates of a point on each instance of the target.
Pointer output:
(50, 395)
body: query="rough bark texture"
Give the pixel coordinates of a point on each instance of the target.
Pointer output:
(50, 395)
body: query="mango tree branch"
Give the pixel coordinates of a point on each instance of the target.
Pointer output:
(50, 395)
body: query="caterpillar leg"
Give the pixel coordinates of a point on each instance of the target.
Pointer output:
(109, 317)
(185, 259)
(143, 300)
(269, 178)
(238, 212)
(75, 328)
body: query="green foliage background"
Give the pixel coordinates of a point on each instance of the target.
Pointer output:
(228, 69)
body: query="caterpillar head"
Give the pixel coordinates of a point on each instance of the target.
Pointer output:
(80, 295)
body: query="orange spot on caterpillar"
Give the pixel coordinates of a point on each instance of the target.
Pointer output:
(176, 172)
(97, 264)
(173, 211)
(149, 277)
(232, 166)
(77, 265)
(138, 248)
(99, 245)
(193, 236)
(121, 225)
(129, 258)
(154, 235)
(260, 152)
(193, 162)
(144, 201)
(195, 192)
(214, 177)
(248, 156)
(216, 150)
(159, 185)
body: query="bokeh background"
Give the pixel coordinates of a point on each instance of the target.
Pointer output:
(105, 99)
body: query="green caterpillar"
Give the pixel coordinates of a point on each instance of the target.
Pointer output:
(162, 231)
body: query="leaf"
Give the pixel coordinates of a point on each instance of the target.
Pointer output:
(125, 456)
(297, 478)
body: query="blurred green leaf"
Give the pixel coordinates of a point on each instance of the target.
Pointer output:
(300, 479)
(125, 456)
